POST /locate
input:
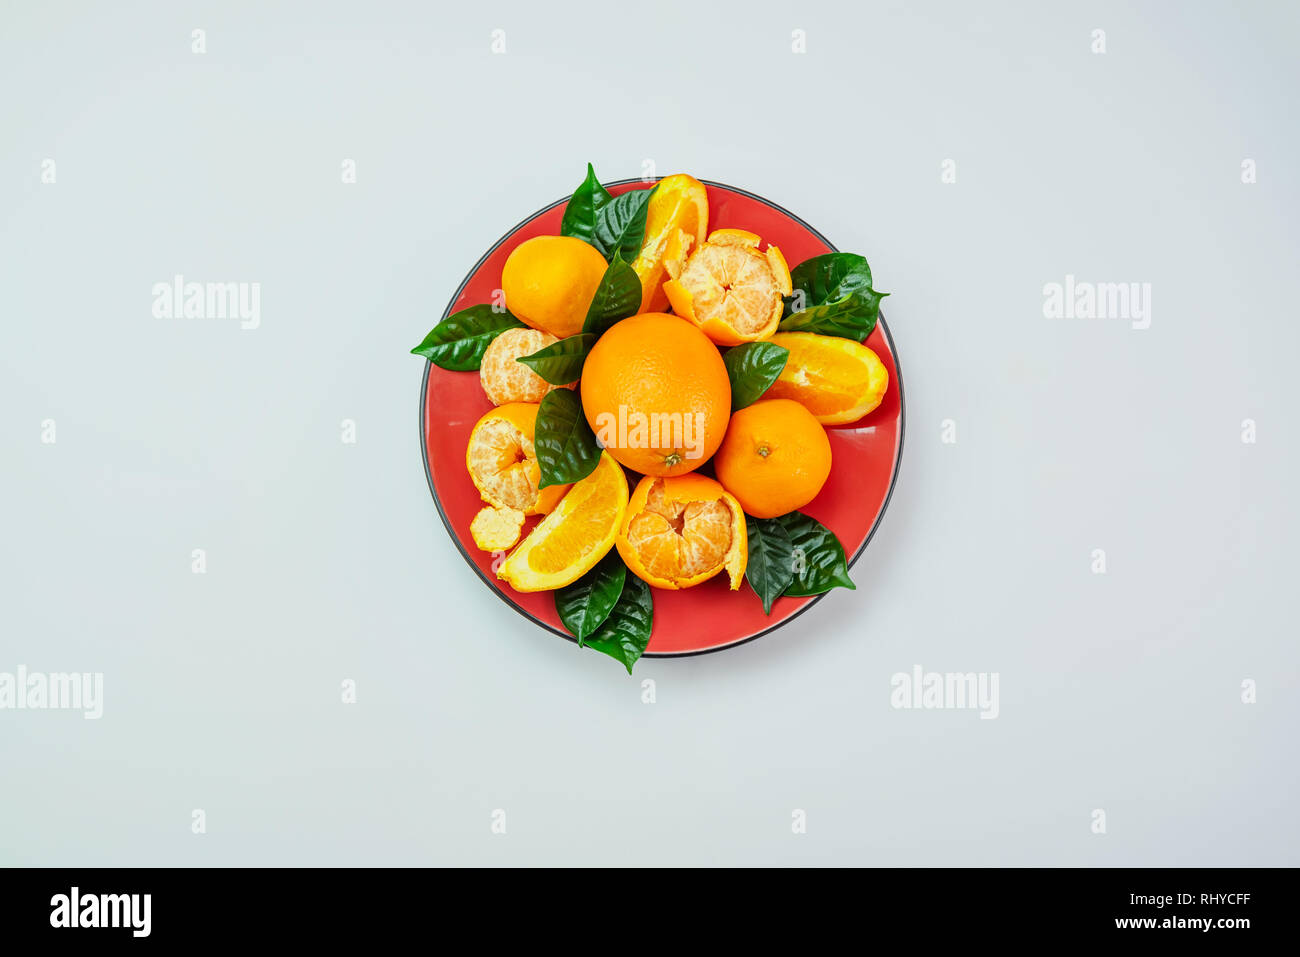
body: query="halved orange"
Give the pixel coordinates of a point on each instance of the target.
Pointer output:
(676, 220)
(503, 463)
(683, 530)
(568, 542)
(729, 289)
(837, 380)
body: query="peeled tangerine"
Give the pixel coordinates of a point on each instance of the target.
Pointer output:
(729, 289)
(504, 377)
(502, 463)
(683, 530)
(578, 533)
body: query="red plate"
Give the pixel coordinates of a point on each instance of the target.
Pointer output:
(710, 616)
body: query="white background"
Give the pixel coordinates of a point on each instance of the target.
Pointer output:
(327, 561)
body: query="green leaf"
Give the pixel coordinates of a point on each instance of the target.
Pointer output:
(585, 604)
(459, 341)
(626, 631)
(561, 362)
(770, 569)
(831, 276)
(834, 296)
(617, 297)
(566, 446)
(752, 368)
(620, 224)
(818, 557)
(853, 317)
(580, 214)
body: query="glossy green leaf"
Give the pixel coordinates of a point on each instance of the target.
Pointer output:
(853, 317)
(831, 276)
(818, 561)
(770, 569)
(566, 446)
(752, 368)
(620, 224)
(580, 214)
(561, 362)
(584, 605)
(626, 632)
(832, 296)
(617, 297)
(459, 341)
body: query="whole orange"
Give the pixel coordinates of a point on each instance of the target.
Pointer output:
(549, 281)
(656, 393)
(775, 457)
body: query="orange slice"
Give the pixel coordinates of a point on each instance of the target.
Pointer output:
(568, 542)
(676, 219)
(837, 380)
(503, 463)
(504, 378)
(729, 289)
(683, 530)
(496, 529)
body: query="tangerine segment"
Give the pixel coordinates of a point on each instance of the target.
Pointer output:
(729, 289)
(775, 457)
(549, 281)
(677, 219)
(683, 530)
(503, 463)
(504, 377)
(837, 380)
(496, 529)
(568, 542)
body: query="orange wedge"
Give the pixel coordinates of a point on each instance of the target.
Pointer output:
(728, 288)
(676, 220)
(837, 380)
(503, 463)
(578, 533)
(683, 530)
